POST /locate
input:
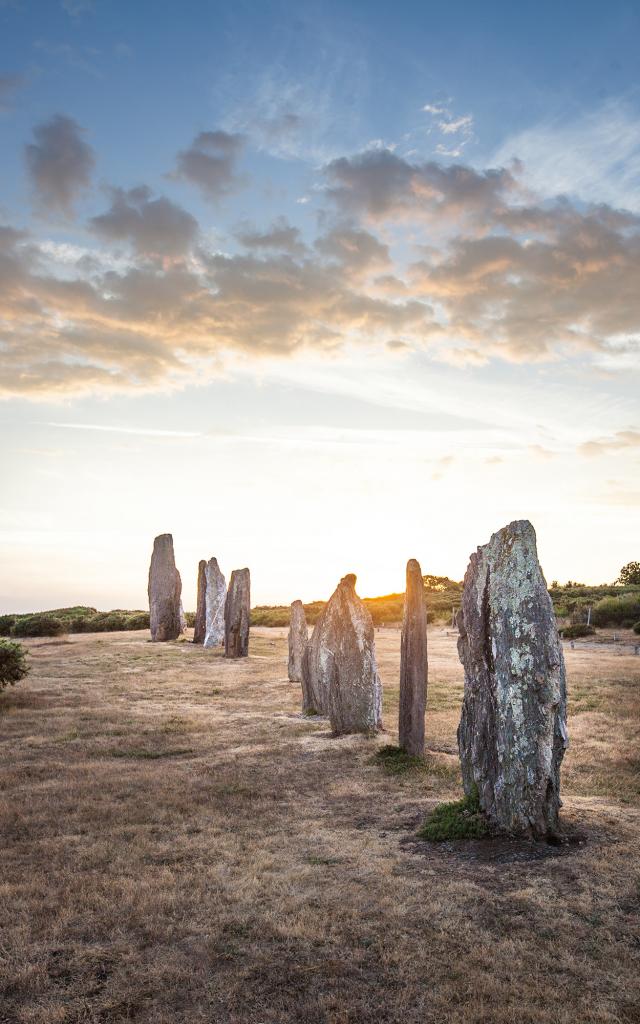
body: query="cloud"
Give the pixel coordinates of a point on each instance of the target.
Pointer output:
(77, 7)
(595, 155)
(159, 325)
(380, 184)
(623, 440)
(281, 237)
(354, 249)
(210, 163)
(153, 227)
(59, 163)
(563, 279)
(9, 84)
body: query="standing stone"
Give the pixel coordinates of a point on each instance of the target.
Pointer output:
(513, 731)
(216, 593)
(165, 588)
(236, 615)
(298, 637)
(413, 664)
(340, 674)
(200, 625)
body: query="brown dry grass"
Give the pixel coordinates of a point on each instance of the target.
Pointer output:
(179, 845)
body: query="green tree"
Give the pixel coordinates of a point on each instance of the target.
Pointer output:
(629, 574)
(13, 663)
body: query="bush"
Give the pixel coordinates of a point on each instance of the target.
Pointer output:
(139, 620)
(13, 663)
(636, 628)
(7, 623)
(38, 625)
(577, 630)
(617, 611)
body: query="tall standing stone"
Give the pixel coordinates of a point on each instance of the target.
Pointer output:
(216, 594)
(236, 615)
(340, 673)
(513, 731)
(298, 638)
(165, 588)
(413, 664)
(200, 625)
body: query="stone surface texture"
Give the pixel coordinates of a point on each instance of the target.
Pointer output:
(165, 588)
(215, 597)
(236, 615)
(200, 625)
(413, 664)
(340, 674)
(513, 732)
(298, 638)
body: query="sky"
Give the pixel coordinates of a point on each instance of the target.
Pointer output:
(317, 288)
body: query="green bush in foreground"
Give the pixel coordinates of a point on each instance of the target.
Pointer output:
(38, 625)
(13, 663)
(577, 630)
(461, 819)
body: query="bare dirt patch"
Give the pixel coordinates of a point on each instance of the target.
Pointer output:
(180, 845)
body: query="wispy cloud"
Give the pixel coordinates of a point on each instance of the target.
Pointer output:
(593, 155)
(138, 431)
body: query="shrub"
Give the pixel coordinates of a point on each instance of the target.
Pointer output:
(190, 618)
(617, 611)
(13, 663)
(577, 630)
(461, 819)
(38, 625)
(138, 620)
(630, 573)
(636, 628)
(7, 623)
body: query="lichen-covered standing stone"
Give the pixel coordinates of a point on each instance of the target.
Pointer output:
(413, 664)
(340, 674)
(200, 625)
(298, 637)
(236, 615)
(513, 733)
(165, 588)
(215, 597)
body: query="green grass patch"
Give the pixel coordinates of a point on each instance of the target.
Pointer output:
(396, 761)
(460, 819)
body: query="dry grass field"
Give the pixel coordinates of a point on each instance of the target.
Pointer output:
(179, 845)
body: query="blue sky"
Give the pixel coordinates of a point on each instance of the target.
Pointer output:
(317, 288)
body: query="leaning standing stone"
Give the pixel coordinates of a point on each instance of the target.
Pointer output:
(413, 664)
(297, 642)
(513, 731)
(340, 674)
(200, 625)
(236, 615)
(216, 594)
(165, 588)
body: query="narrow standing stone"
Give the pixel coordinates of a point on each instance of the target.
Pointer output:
(165, 588)
(236, 615)
(200, 625)
(413, 664)
(216, 593)
(513, 730)
(298, 638)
